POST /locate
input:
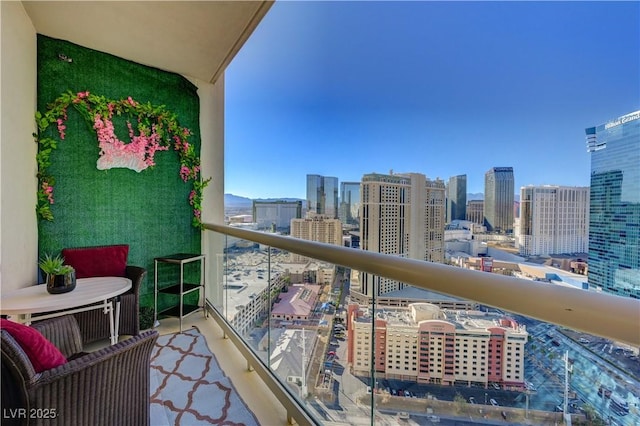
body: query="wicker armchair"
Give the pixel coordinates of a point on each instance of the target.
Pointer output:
(94, 324)
(106, 387)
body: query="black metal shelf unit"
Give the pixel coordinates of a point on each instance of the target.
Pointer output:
(181, 288)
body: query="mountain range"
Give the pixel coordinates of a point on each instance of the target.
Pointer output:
(231, 200)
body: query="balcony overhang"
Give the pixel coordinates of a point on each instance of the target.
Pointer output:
(192, 38)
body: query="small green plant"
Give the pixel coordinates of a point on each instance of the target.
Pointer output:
(54, 265)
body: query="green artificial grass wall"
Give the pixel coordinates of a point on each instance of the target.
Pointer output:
(148, 210)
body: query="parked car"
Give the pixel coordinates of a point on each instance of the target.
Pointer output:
(495, 386)
(407, 394)
(472, 400)
(494, 402)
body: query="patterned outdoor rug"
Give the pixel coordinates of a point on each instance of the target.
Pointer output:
(189, 388)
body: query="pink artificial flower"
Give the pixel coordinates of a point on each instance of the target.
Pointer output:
(178, 143)
(196, 213)
(131, 134)
(61, 127)
(184, 173)
(131, 101)
(192, 195)
(80, 96)
(48, 191)
(97, 123)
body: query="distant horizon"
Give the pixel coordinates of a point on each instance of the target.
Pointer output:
(304, 199)
(440, 88)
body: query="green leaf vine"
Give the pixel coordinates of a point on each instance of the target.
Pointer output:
(157, 128)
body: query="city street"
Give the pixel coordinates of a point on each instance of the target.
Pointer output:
(545, 369)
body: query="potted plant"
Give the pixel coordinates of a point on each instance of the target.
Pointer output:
(61, 278)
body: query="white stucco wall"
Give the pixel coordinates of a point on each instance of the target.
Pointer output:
(212, 161)
(18, 225)
(212, 151)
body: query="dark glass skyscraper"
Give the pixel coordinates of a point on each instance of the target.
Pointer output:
(614, 214)
(315, 194)
(322, 195)
(457, 198)
(350, 203)
(498, 199)
(331, 192)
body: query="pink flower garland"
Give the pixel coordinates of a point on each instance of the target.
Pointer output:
(136, 155)
(156, 133)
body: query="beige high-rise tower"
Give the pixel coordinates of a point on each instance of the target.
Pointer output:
(553, 220)
(402, 215)
(316, 227)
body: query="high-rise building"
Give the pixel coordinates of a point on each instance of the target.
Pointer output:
(315, 194)
(349, 212)
(316, 227)
(402, 215)
(276, 214)
(553, 220)
(498, 199)
(614, 206)
(475, 211)
(331, 191)
(457, 198)
(322, 195)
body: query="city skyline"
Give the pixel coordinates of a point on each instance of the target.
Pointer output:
(345, 89)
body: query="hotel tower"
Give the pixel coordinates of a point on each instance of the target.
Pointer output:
(402, 215)
(614, 217)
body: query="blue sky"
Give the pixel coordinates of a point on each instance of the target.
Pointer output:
(348, 88)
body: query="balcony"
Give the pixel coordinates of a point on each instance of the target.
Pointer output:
(248, 287)
(246, 332)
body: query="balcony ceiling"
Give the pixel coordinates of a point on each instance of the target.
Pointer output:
(193, 38)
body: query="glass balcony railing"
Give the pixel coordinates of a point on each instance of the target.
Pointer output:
(484, 348)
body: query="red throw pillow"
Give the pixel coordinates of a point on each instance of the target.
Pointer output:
(103, 261)
(42, 353)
